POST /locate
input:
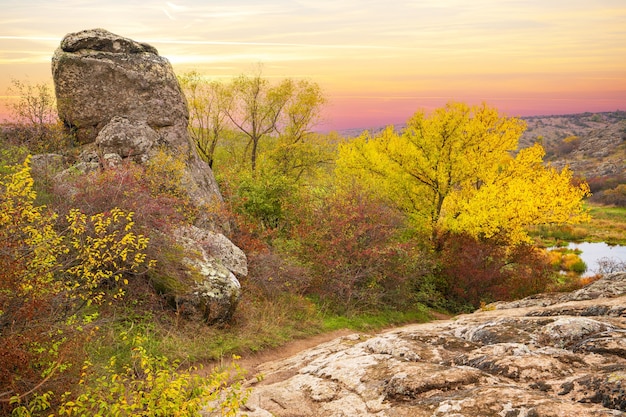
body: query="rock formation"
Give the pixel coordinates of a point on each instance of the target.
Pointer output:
(214, 259)
(545, 356)
(103, 79)
(99, 75)
(123, 101)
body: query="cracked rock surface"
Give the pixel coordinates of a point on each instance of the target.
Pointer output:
(553, 355)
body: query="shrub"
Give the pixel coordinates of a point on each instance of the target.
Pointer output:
(272, 275)
(606, 182)
(608, 265)
(157, 203)
(50, 284)
(566, 146)
(166, 178)
(615, 196)
(263, 198)
(349, 241)
(478, 271)
(567, 260)
(153, 386)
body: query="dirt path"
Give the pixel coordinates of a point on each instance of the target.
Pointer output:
(250, 362)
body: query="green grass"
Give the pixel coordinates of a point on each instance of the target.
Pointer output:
(376, 321)
(607, 224)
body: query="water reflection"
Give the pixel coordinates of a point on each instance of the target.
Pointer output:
(593, 254)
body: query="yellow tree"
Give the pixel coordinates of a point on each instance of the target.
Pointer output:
(523, 192)
(440, 163)
(297, 149)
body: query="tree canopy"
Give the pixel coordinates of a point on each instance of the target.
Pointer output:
(257, 110)
(454, 170)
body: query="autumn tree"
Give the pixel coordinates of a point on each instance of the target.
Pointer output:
(298, 150)
(207, 117)
(255, 107)
(259, 109)
(453, 170)
(521, 193)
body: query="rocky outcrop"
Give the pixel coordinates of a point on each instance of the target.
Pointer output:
(99, 75)
(218, 246)
(208, 289)
(122, 101)
(124, 97)
(547, 356)
(597, 151)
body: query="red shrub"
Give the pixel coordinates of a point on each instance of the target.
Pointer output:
(349, 240)
(485, 270)
(272, 275)
(125, 187)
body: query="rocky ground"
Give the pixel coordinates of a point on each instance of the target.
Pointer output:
(548, 355)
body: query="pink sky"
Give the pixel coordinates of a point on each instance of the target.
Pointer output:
(377, 62)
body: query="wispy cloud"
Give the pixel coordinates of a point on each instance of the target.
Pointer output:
(400, 50)
(272, 44)
(30, 38)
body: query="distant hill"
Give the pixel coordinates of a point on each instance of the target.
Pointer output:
(592, 144)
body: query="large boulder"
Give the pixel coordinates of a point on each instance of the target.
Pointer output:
(205, 286)
(549, 356)
(123, 96)
(99, 75)
(122, 100)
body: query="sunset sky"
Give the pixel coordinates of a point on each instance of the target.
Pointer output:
(377, 61)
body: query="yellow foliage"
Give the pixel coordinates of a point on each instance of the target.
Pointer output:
(569, 260)
(30, 245)
(41, 268)
(104, 247)
(167, 176)
(95, 249)
(523, 193)
(554, 258)
(454, 171)
(154, 386)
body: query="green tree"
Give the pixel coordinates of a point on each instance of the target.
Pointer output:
(461, 154)
(255, 107)
(207, 117)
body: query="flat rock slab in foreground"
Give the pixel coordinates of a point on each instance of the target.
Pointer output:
(553, 355)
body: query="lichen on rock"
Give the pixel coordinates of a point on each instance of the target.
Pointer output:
(537, 357)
